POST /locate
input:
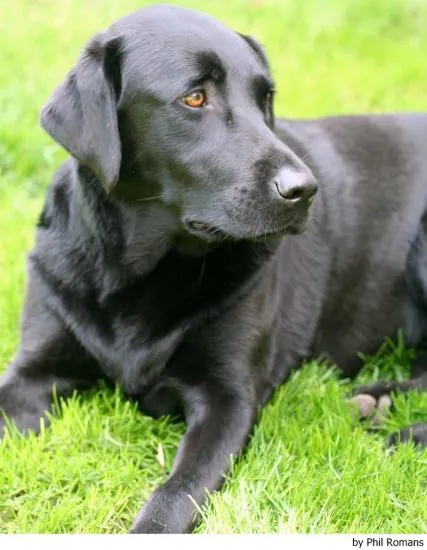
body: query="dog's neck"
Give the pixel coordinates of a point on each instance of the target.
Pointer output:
(132, 234)
(136, 246)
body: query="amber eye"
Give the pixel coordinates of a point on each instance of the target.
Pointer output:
(195, 99)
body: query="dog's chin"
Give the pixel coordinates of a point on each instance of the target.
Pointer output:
(199, 237)
(277, 232)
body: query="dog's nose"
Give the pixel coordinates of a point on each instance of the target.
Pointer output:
(295, 186)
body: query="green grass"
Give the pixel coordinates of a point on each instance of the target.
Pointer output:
(311, 465)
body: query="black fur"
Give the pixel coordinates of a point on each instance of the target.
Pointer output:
(164, 259)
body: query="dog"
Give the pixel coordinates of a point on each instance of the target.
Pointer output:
(194, 252)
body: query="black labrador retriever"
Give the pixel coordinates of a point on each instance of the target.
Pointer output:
(193, 254)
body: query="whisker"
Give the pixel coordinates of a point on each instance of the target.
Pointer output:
(149, 198)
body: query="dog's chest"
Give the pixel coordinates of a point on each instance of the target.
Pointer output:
(135, 362)
(124, 346)
(134, 330)
(132, 337)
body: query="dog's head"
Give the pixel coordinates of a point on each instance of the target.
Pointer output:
(168, 105)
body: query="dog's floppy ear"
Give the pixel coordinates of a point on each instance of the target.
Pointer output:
(81, 114)
(257, 48)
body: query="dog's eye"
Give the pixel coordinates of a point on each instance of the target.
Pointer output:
(195, 99)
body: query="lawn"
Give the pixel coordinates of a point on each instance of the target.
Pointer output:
(311, 466)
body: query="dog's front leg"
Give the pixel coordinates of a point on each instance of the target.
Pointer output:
(218, 426)
(49, 362)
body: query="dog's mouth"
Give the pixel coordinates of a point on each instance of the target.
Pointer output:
(205, 230)
(214, 234)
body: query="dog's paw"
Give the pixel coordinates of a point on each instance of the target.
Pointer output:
(373, 400)
(167, 511)
(416, 434)
(371, 407)
(377, 389)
